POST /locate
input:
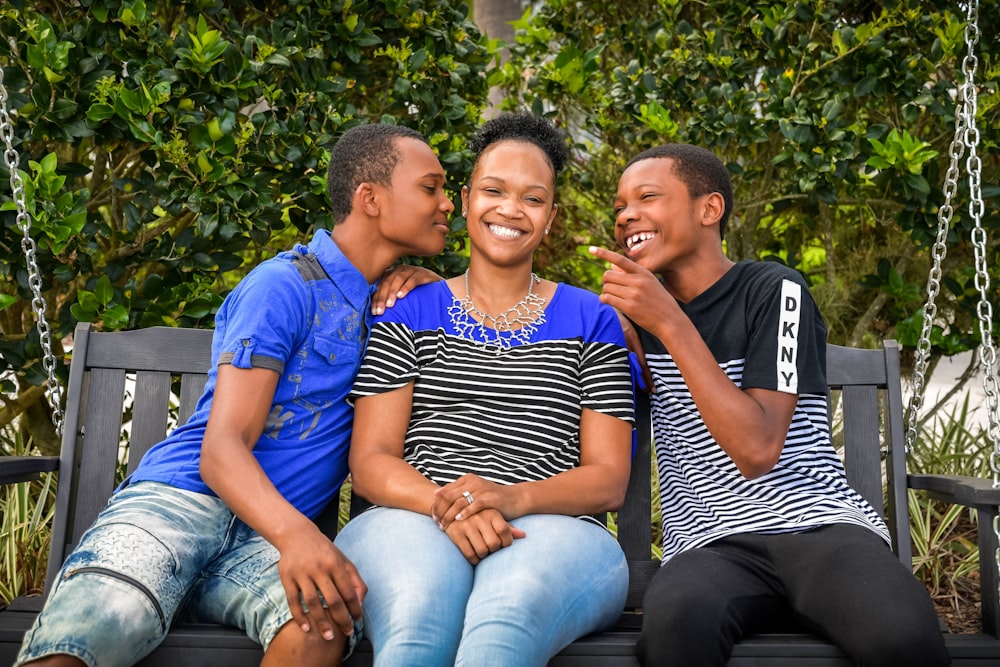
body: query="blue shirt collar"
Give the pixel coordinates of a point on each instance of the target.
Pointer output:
(348, 279)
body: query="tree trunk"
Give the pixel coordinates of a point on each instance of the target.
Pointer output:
(494, 18)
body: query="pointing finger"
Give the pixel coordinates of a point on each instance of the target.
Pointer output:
(616, 259)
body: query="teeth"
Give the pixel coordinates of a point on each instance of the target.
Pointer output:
(505, 232)
(636, 239)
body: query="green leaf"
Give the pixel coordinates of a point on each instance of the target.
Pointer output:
(832, 109)
(198, 308)
(115, 317)
(51, 76)
(48, 164)
(104, 291)
(865, 86)
(918, 183)
(88, 300)
(417, 59)
(214, 130)
(278, 59)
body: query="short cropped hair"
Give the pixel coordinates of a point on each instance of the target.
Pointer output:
(525, 127)
(699, 169)
(363, 154)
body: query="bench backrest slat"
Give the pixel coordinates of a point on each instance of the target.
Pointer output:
(192, 385)
(874, 455)
(862, 447)
(150, 411)
(634, 518)
(98, 457)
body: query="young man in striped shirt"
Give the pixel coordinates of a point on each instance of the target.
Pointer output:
(759, 523)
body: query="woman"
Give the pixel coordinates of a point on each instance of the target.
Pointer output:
(493, 414)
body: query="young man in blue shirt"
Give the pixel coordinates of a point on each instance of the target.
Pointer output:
(215, 524)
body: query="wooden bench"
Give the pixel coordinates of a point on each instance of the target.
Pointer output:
(163, 371)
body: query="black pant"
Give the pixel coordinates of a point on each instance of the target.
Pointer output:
(841, 582)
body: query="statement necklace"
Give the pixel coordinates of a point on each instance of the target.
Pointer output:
(518, 322)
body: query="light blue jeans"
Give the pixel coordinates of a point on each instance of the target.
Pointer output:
(428, 606)
(155, 552)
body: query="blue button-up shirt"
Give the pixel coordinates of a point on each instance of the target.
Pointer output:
(305, 315)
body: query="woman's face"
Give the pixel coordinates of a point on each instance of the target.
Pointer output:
(509, 202)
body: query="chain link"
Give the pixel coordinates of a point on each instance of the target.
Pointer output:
(11, 158)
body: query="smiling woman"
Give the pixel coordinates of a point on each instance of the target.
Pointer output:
(493, 417)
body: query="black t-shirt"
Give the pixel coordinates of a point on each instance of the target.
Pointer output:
(765, 331)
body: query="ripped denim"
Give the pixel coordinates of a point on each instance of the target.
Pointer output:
(154, 553)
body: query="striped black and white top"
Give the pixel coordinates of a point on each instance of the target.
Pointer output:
(508, 416)
(765, 331)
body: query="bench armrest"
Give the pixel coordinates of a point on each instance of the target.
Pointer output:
(14, 469)
(979, 494)
(973, 492)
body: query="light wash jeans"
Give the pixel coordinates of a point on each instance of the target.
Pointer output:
(428, 606)
(153, 551)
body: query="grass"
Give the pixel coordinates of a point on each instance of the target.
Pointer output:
(945, 551)
(25, 529)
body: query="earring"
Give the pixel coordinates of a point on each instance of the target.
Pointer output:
(465, 212)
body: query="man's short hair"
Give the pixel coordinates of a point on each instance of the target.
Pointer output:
(699, 169)
(363, 154)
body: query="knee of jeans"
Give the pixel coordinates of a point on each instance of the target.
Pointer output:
(408, 625)
(244, 590)
(117, 595)
(87, 608)
(404, 646)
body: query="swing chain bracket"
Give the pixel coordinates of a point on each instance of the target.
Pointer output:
(28, 247)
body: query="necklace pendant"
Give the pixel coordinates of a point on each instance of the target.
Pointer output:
(517, 324)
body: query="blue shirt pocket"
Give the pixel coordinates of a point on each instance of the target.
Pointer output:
(333, 365)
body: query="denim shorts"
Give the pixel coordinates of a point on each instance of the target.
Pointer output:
(157, 552)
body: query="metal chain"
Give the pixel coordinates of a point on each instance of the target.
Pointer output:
(12, 159)
(938, 252)
(966, 137)
(974, 167)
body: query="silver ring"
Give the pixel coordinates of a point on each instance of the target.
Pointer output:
(468, 496)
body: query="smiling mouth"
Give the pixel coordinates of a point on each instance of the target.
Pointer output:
(636, 242)
(504, 232)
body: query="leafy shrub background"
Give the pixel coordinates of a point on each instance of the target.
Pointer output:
(169, 146)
